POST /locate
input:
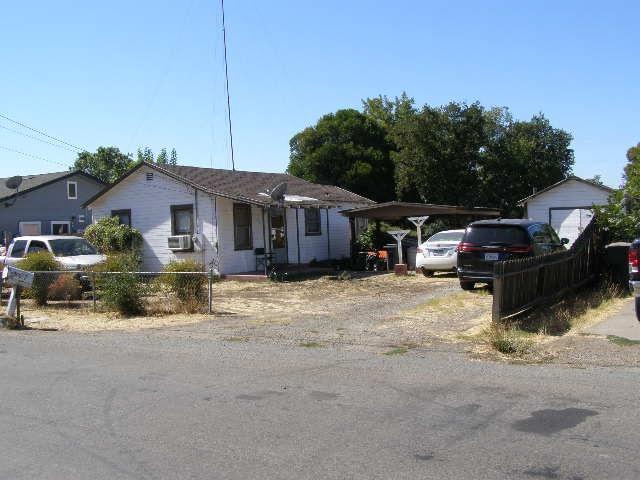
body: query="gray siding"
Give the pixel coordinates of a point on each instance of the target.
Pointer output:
(50, 203)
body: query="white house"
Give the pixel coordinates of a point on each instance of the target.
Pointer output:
(567, 205)
(227, 219)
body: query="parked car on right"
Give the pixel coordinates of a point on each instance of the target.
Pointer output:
(634, 274)
(488, 241)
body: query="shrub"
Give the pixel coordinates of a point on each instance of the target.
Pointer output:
(508, 340)
(42, 261)
(109, 236)
(65, 287)
(122, 292)
(188, 288)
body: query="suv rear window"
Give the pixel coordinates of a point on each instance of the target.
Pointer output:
(496, 235)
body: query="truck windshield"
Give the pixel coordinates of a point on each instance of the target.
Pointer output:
(68, 247)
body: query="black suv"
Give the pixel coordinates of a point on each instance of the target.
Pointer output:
(488, 241)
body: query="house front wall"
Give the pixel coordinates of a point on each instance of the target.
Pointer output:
(567, 207)
(50, 203)
(150, 200)
(334, 241)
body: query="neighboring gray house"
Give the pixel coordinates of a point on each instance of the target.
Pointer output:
(47, 204)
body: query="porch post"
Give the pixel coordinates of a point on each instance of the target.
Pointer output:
(328, 237)
(298, 233)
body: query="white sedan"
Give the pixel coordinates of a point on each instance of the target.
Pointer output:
(439, 253)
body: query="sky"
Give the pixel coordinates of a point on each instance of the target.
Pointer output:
(151, 73)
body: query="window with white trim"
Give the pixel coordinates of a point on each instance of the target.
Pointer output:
(60, 227)
(72, 190)
(312, 224)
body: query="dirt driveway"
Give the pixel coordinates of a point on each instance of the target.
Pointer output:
(375, 310)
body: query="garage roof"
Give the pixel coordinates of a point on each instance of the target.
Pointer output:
(398, 210)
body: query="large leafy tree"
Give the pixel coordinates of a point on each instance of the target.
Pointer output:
(620, 218)
(348, 149)
(106, 163)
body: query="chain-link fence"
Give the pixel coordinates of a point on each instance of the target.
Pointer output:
(128, 293)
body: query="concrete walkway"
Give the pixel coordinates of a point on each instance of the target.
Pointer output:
(622, 324)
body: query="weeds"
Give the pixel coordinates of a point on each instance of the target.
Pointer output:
(508, 340)
(310, 344)
(622, 341)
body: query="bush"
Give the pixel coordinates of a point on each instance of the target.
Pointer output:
(42, 261)
(109, 236)
(188, 288)
(65, 287)
(122, 292)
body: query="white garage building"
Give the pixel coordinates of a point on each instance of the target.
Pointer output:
(566, 205)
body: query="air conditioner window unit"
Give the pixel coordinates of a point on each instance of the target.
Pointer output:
(178, 243)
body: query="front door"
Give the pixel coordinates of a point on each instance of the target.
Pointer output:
(278, 235)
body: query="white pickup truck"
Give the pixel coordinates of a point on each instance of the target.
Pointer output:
(73, 253)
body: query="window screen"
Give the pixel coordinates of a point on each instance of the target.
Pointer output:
(242, 226)
(182, 219)
(312, 221)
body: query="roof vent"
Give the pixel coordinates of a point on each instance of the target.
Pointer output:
(149, 176)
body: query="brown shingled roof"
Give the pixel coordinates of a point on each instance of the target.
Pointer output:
(248, 186)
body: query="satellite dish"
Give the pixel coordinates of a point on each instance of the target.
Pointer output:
(12, 183)
(277, 192)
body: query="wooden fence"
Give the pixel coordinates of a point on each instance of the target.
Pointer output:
(522, 284)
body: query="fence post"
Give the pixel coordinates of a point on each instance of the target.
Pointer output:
(93, 290)
(496, 308)
(210, 307)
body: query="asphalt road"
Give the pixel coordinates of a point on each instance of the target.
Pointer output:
(171, 405)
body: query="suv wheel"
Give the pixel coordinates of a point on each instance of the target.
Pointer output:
(466, 285)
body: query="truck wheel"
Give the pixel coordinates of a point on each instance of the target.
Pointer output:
(466, 285)
(638, 308)
(427, 273)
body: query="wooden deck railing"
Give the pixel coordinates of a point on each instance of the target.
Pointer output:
(522, 284)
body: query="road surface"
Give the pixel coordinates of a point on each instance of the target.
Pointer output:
(178, 405)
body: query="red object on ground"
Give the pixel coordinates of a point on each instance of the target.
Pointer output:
(400, 268)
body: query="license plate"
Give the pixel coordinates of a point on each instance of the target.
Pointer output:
(492, 256)
(438, 252)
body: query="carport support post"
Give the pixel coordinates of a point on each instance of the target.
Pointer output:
(418, 222)
(399, 235)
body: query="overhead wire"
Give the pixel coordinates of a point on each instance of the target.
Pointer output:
(38, 139)
(44, 134)
(32, 156)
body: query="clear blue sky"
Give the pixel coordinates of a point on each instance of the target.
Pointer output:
(141, 73)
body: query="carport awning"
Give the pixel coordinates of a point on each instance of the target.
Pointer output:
(398, 210)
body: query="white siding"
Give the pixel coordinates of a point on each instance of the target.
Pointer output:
(318, 247)
(569, 195)
(150, 204)
(232, 260)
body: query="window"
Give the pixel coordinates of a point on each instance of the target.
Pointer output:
(72, 190)
(18, 248)
(312, 221)
(60, 228)
(67, 247)
(37, 246)
(182, 219)
(242, 226)
(123, 216)
(30, 228)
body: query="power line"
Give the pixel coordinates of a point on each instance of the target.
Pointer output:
(80, 149)
(226, 76)
(38, 139)
(32, 156)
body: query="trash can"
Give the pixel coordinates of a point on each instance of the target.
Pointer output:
(617, 263)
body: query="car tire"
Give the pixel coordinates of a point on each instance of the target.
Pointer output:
(638, 308)
(427, 273)
(466, 285)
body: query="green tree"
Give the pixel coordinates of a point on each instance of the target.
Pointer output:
(107, 163)
(620, 218)
(145, 155)
(174, 157)
(347, 149)
(162, 158)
